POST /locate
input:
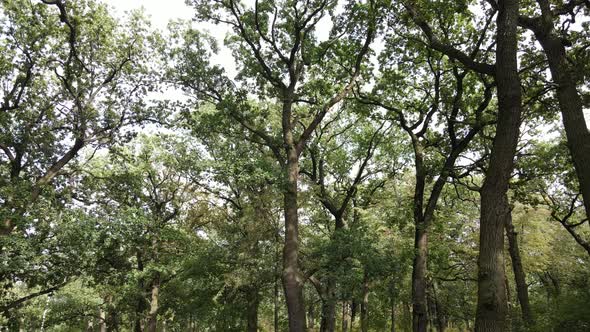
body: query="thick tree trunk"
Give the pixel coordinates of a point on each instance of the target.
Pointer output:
(570, 104)
(252, 310)
(154, 305)
(420, 261)
(419, 313)
(522, 290)
(328, 322)
(292, 279)
(491, 297)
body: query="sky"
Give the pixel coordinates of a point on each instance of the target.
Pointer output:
(161, 12)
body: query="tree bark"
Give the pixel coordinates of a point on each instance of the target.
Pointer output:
(277, 281)
(568, 97)
(252, 310)
(103, 320)
(491, 296)
(328, 320)
(419, 264)
(154, 305)
(292, 279)
(519, 274)
(419, 301)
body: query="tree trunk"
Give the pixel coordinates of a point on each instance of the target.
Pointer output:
(419, 266)
(328, 321)
(252, 310)
(392, 314)
(570, 102)
(154, 305)
(432, 314)
(491, 296)
(353, 311)
(441, 317)
(103, 320)
(522, 290)
(419, 313)
(292, 279)
(365, 305)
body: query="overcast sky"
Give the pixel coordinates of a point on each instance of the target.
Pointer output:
(160, 12)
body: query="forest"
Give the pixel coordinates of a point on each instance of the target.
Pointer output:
(360, 165)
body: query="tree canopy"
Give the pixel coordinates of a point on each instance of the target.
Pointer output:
(369, 165)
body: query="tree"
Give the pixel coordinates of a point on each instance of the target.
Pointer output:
(64, 98)
(146, 188)
(282, 58)
(345, 156)
(495, 210)
(563, 66)
(441, 119)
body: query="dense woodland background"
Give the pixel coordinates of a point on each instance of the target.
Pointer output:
(424, 166)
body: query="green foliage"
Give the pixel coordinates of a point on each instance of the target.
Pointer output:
(183, 224)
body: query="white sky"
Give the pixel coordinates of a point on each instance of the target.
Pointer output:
(161, 12)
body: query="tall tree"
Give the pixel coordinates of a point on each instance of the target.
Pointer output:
(495, 210)
(564, 66)
(437, 100)
(280, 56)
